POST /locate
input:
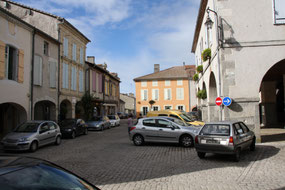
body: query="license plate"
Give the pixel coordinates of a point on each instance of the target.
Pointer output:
(211, 141)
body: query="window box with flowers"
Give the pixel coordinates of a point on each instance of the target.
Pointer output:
(196, 77)
(202, 94)
(206, 54)
(200, 69)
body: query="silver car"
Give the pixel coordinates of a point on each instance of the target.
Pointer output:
(162, 129)
(224, 138)
(99, 123)
(114, 120)
(31, 135)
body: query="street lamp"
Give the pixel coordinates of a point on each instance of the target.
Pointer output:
(209, 24)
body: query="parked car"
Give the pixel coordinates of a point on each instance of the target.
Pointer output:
(114, 120)
(162, 129)
(31, 135)
(37, 174)
(99, 123)
(73, 127)
(224, 138)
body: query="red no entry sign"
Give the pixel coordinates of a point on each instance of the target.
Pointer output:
(219, 101)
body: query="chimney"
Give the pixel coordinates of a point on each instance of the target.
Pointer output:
(91, 59)
(156, 68)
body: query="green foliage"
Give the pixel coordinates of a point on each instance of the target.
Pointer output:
(200, 69)
(202, 94)
(151, 102)
(206, 54)
(88, 105)
(196, 77)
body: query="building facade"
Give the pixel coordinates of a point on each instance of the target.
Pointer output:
(129, 103)
(169, 89)
(247, 60)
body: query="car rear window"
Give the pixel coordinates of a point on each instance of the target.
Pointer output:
(216, 129)
(111, 117)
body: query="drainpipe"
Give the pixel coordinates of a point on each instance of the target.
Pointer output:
(58, 77)
(32, 76)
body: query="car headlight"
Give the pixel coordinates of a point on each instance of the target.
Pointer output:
(68, 129)
(97, 125)
(24, 139)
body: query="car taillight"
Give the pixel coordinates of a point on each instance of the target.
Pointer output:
(196, 140)
(231, 141)
(132, 128)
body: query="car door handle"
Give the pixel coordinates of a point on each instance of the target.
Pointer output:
(143, 127)
(160, 129)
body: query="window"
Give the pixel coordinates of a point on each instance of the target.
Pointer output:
(222, 130)
(155, 108)
(179, 82)
(279, 11)
(155, 94)
(73, 78)
(167, 83)
(81, 56)
(46, 52)
(167, 107)
(181, 107)
(144, 95)
(81, 81)
(179, 93)
(167, 94)
(74, 52)
(162, 123)
(238, 128)
(11, 59)
(144, 110)
(244, 127)
(65, 47)
(65, 75)
(149, 122)
(154, 83)
(176, 116)
(38, 65)
(52, 74)
(144, 84)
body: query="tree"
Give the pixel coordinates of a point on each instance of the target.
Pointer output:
(88, 105)
(151, 102)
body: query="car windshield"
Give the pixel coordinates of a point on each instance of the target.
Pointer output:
(216, 129)
(67, 123)
(185, 117)
(27, 128)
(97, 119)
(43, 176)
(177, 121)
(111, 117)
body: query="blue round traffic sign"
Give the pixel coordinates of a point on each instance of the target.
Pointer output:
(227, 101)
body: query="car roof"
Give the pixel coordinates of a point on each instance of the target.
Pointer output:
(38, 121)
(222, 122)
(158, 117)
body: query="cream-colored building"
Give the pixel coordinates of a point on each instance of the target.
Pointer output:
(247, 64)
(72, 54)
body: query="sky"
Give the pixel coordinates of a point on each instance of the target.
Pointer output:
(130, 36)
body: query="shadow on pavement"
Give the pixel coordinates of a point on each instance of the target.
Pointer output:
(273, 138)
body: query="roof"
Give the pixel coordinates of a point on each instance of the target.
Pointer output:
(48, 14)
(177, 72)
(203, 5)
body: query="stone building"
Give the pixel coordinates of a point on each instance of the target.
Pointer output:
(129, 103)
(247, 60)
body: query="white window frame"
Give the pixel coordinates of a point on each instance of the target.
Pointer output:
(142, 112)
(280, 20)
(154, 83)
(167, 83)
(154, 94)
(171, 107)
(179, 82)
(143, 98)
(179, 97)
(158, 108)
(144, 84)
(15, 62)
(166, 97)
(182, 106)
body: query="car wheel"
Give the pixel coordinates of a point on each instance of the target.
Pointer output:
(73, 134)
(34, 146)
(252, 146)
(86, 132)
(58, 140)
(201, 155)
(237, 155)
(138, 140)
(186, 141)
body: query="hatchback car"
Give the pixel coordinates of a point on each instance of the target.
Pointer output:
(162, 129)
(37, 174)
(99, 123)
(224, 138)
(73, 127)
(31, 135)
(114, 120)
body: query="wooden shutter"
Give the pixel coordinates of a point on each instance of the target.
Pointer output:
(52, 77)
(2, 60)
(21, 66)
(63, 75)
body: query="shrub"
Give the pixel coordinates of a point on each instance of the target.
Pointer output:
(202, 94)
(200, 69)
(206, 54)
(196, 77)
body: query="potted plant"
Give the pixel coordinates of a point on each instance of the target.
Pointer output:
(206, 54)
(196, 77)
(202, 94)
(199, 69)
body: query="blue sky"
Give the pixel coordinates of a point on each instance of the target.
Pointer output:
(131, 35)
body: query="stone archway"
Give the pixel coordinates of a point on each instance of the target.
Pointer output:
(272, 90)
(79, 111)
(213, 108)
(45, 110)
(65, 110)
(11, 115)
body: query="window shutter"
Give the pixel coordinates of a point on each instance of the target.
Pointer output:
(94, 81)
(40, 71)
(75, 78)
(156, 94)
(37, 70)
(153, 94)
(52, 76)
(142, 94)
(74, 52)
(21, 66)
(81, 81)
(165, 94)
(2, 59)
(81, 55)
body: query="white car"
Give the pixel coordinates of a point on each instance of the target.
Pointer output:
(114, 120)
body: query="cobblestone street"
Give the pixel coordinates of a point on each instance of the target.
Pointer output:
(110, 161)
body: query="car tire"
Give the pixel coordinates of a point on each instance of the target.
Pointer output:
(237, 155)
(34, 146)
(57, 140)
(85, 132)
(138, 140)
(201, 155)
(186, 141)
(252, 146)
(73, 135)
